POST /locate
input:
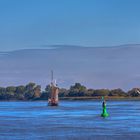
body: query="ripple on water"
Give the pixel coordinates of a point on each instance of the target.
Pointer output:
(72, 119)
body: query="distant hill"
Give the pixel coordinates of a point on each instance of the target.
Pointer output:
(96, 67)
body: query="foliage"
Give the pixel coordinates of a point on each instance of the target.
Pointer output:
(101, 92)
(77, 90)
(31, 91)
(117, 92)
(135, 92)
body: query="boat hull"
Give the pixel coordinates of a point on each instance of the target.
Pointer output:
(52, 104)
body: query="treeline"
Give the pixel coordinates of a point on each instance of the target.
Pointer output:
(27, 92)
(32, 91)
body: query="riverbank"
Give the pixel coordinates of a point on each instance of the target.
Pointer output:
(108, 98)
(99, 98)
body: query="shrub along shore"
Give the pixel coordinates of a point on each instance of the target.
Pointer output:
(32, 91)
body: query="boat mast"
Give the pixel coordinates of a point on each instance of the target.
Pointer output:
(52, 76)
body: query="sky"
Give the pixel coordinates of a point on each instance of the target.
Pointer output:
(36, 23)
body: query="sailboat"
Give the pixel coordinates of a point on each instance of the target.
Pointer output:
(54, 90)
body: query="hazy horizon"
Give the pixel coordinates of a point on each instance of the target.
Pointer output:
(57, 46)
(100, 67)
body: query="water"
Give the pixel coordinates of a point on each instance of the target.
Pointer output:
(72, 120)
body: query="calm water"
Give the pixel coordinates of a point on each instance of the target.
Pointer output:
(72, 120)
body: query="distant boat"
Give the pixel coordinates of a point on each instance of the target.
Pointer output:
(54, 90)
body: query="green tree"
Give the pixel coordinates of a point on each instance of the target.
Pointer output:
(46, 94)
(20, 90)
(29, 91)
(11, 89)
(63, 92)
(117, 92)
(89, 92)
(2, 90)
(135, 92)
(2, 93)
(77, 90)
(101, 92)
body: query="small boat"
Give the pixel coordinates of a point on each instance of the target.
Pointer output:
(54, 90)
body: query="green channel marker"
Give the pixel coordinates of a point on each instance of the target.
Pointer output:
(104, 113)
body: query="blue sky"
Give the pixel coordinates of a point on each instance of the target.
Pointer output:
(34, 23)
